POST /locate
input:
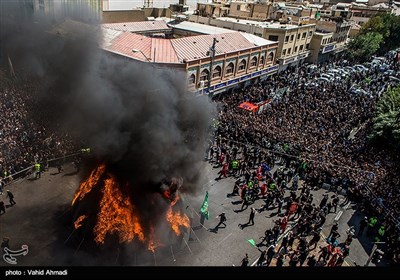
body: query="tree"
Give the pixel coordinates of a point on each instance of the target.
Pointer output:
(362, 47)
(386, 127)
(377, 24)
(386, 25)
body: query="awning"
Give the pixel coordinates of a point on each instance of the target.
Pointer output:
(249, 106)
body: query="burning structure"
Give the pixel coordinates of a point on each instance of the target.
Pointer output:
(108, 207)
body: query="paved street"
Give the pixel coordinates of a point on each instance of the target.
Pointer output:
(41, 203)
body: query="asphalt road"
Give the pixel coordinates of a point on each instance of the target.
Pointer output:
(41, 203)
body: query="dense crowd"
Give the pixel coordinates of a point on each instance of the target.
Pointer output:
(24, 138)
(318, 130)
(314, 130)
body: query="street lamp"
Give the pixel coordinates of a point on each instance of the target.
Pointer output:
(212, 55)
(136, 51)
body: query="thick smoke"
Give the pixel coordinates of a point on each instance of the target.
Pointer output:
(138, 118)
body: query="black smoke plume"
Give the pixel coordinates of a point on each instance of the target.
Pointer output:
(138, 119)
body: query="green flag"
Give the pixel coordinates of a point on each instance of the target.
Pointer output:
(204, 207)
(252, 242)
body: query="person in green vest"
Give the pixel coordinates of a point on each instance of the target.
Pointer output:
(250, 185)
(272, 186)
(37, 170)
(285, 147)
(381, 233)
(235, 166)
(85, 150)
(371, 224)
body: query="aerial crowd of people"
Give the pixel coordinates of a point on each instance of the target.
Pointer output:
(311, 134)
(316, 130)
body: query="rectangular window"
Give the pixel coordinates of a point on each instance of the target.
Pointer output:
(298, 36)
(310, 34)
(291, 38)
(307, 46)
(295, 49)
(301, 47)
(273, 38)
(284, 52)
(287, 39)
(238, 8)
(289, 51)
(304, 35)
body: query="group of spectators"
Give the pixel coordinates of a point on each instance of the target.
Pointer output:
(24, 138)
(318, 130)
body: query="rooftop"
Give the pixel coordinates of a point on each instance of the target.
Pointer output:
(275, 25)
(199, 28)
(140, 26)
(157, 50)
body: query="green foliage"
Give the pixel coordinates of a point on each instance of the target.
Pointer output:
(376, 24)
(364, 46)
(387, 26)
(386, 127)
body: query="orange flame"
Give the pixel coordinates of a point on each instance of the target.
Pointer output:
(152, 244)
(116, 215)
(87, 185)
(78, 222)
(177, 220)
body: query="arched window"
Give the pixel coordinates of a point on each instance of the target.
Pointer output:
(262, 60)
(270, 57)
(230, 68)
(217, 72)
(192, 79)
(253, 62)
(242, 65)
(204, 75)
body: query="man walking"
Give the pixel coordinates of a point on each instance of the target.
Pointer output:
(252, 214)
(222, 219)
(363, 224)
(11, 198)
(245, 260)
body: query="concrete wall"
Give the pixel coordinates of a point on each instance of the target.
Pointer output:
(134, 15)
(243, 12)
(123, 16)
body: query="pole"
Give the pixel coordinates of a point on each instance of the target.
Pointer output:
(212, 55)
(372, 253)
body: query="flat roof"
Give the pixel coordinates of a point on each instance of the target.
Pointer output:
(274, 25)
(139, 26)
(199, 28)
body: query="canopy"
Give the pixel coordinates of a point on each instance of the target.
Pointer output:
(249, 106)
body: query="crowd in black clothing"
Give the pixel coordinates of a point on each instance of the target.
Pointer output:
(324, 125)
(24, 139)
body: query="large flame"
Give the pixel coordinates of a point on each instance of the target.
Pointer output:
(87, 185)
(78, 222)
(152, 243)
(117, 215)
(176, 220)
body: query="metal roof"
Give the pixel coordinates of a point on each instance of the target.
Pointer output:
(126, 42)
(195, 47)
(177, 50)
(143, 48)
(139, 26)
